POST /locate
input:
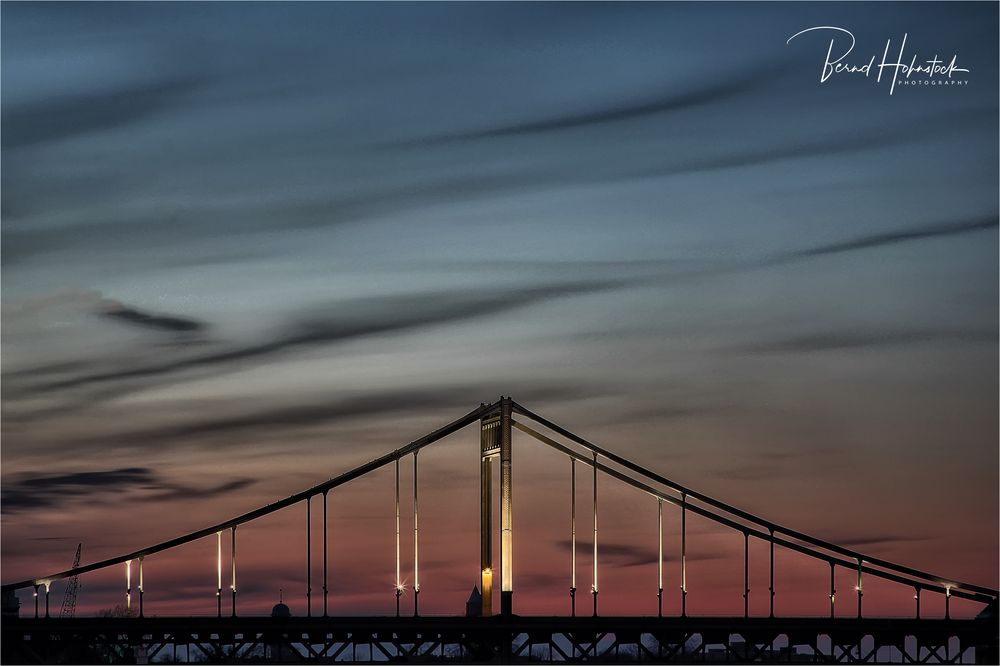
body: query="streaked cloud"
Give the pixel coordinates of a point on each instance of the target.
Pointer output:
(53, 119)
(376, 405)
(832, 341)
(160, 322)
(629, 555)
(917, 233)
(26, 492)
(692, 97)
(375, 316)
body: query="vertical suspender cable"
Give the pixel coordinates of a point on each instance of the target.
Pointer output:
(833, 588)
(659, 562)
(746, 574)
(399, 584)
(572, 535)
(326, 588)
(595, 535)
(860, 593)
(140, 586)
(309, 568)
(684, 591)
(233, 585)
(218, 570)
(416, 542)
(771, 578)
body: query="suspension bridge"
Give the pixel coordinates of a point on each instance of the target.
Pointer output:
(582, 635)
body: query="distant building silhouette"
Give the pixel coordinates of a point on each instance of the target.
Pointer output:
(279, 650)
(474, 606)
(280, 609)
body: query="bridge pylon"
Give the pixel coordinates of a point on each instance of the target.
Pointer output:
(495, 442)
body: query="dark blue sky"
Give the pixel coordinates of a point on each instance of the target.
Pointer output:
(232, 231)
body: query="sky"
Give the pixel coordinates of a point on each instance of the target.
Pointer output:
(246, 247)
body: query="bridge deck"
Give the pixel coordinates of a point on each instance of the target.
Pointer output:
(501, 639)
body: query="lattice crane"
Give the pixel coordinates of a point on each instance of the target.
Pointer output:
(72, 589)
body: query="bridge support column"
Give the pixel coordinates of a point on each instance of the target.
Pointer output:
(486, 534)
(489, 447)
(496, 441)
(506, 511)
